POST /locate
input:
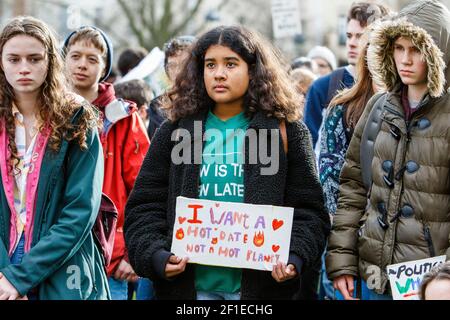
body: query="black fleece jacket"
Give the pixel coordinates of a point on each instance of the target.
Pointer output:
(150, 211)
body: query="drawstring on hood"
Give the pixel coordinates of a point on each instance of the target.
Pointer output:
(427, 24)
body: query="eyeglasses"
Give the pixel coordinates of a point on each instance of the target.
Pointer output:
(179, 41)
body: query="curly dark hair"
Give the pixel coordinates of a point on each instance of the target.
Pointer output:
(270, 89)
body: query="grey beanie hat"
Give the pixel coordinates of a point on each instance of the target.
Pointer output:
(324, 53)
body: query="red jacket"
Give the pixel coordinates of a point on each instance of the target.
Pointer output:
(125, 143)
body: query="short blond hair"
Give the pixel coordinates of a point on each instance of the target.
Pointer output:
(91, 36)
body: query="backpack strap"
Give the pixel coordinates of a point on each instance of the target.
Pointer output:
(368, 137)
(336, 83)
(284, 135)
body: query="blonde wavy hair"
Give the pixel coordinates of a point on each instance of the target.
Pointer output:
(56, 104)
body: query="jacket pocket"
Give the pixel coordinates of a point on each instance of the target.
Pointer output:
(368, 237)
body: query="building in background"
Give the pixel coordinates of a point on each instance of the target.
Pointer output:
(322, 21)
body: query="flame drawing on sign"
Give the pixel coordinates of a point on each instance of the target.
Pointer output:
(180, 234)
(258, 239)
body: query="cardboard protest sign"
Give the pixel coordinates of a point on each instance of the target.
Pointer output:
(405, 278)
(286, 20)
(232, 234)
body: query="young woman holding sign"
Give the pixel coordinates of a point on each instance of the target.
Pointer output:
(232, 80)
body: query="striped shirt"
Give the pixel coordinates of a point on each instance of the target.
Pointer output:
(22, 169)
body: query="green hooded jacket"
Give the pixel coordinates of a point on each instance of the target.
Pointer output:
(63, 262)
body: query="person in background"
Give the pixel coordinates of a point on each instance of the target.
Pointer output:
(324, 58)
(342, 116)
(436, 283)
(303, 79)
(113, 76)
(139, 92)
(176, 51)
(130, 58)
(325, 88)
(360, 15)
(88, 56)
(304, 63)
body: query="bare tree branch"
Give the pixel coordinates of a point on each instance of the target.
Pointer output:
(152, 10)
(188, 18)
(132, 21)
(145, 23)
(154, 27)
(167, 15)
(222, 4)
(106, 26)
(147, 14)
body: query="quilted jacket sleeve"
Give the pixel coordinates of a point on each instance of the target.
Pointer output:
(342, 252)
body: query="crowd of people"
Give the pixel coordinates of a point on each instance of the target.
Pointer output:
(89, 180)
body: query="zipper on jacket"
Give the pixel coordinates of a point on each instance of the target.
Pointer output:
(45, 212)
(41, 218)
(2, 229)
(408, 139)
(429, 240)
(45, 206)
(394, 221)
(409, 126)
(401, 171)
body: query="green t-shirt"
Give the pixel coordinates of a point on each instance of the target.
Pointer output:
(222, 179)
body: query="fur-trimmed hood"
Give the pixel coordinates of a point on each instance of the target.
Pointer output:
(427, 24)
